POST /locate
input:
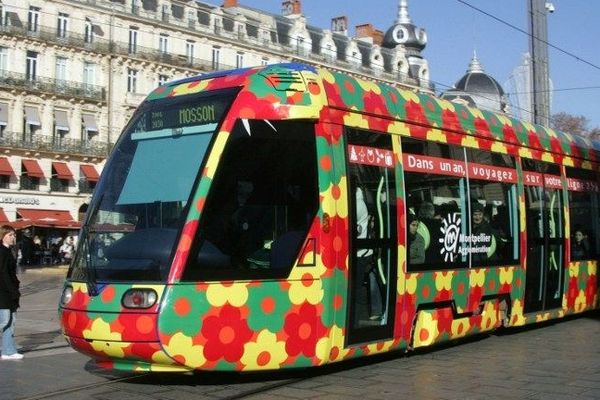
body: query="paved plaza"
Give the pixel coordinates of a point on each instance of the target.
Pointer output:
(556, 361)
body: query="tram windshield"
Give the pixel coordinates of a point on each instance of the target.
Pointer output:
(139, 206)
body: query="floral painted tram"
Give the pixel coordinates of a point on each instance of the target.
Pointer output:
(289, 216)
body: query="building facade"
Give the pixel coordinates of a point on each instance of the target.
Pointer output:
(72, 73)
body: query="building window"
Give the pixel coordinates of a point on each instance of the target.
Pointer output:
(189, 51)
(57, 184)
(165, 12)
(33, 19)
(3, 60)
(86, 186)
(216, 55)
(89, 76)
(162, 79)
(264, 61)
(4, 181)
(63, 22)
(89, 31)
(239, 60)
(30, 180)
(163, 43)
(61, 71)
(132, 80)
(192, 19)
(133, 37)
(31, 67)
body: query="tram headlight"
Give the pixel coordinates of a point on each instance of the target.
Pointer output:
(66, 296)
(139, 298)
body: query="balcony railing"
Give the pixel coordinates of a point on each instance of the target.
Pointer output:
(155, 55)
(49, 34)
(86, 186)
(29, 183)
(52, 86)
(54, 144)
(59, 185)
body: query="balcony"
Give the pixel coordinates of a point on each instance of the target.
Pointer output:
(50, 34)
(176, 60)
(52, 86)
(53, 144)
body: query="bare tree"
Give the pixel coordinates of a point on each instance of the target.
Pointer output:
(594, 133)
(574, 124)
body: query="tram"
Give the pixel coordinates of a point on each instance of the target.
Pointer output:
(289, 216)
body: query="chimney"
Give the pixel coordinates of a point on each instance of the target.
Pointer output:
(368, 33)
(230, 3)
(291, 7)
(339, 24)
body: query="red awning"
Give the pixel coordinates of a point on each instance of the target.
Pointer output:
(33, 168)
(90, 172)
(3, 217)
(45, 218)
(5, 168)
(62, 170)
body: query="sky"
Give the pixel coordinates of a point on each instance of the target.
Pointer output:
(455, 31)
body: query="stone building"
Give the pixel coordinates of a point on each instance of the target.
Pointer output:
(72, 73)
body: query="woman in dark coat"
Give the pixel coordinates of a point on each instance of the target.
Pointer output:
(9, 292)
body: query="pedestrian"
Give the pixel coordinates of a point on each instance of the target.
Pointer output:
(66, 250)
(9, 292)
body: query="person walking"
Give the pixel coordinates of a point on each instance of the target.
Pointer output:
(9, 292)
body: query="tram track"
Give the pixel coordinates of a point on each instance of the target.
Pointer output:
(60, 393)
(80, 388)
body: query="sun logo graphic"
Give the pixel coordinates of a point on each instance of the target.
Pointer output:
(451, 235)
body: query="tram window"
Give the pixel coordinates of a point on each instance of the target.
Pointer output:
(435, 184)
(261, 203)
(494, 211)
(584, 196)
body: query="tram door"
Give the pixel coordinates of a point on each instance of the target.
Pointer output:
(544, 284)
(372, 254)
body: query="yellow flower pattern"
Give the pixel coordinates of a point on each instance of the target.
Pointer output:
(181, 346)
(105, 341)
(235, 294)
(265, 353)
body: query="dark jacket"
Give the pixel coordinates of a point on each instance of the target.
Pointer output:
(9, 283)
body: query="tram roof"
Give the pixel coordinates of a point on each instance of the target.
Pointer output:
(428, 117)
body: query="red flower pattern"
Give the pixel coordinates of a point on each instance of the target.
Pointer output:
(304, 328)
(226, 334)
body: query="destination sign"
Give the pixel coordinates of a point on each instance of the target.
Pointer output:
(181, 115)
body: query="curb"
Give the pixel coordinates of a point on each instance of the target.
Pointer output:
(57, 269)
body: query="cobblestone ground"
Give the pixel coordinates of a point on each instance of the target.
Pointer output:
(555, 361)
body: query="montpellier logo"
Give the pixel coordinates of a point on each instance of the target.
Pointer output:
(451, 232)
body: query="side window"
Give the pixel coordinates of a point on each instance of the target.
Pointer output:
(584, 213)
(462, 206)
(260, 204)
(494, 210)
(437, 211)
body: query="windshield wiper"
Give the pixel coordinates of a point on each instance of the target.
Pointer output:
(90, 269)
